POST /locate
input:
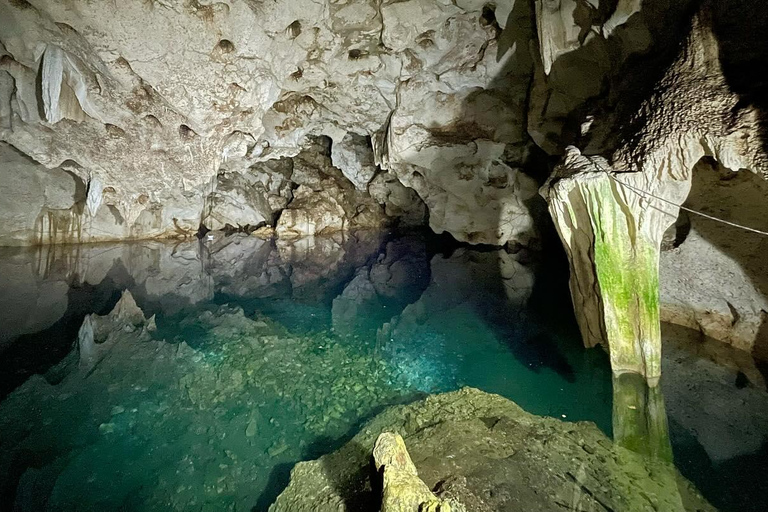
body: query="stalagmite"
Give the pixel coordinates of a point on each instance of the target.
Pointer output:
(403, 490)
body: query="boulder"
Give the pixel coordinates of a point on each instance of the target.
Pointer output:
(353, 155)
(488, 454)
(236, 203)
(99, 334)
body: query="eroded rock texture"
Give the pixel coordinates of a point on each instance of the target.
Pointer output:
(170, 115)
(612, 217)
(159, 118)
(487, 453)
(713, 276)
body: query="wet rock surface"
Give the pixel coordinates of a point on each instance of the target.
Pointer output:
(367, 321)
(147, 121)
(486, 452)
(402, 489)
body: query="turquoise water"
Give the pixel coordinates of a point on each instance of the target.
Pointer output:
(269, 353)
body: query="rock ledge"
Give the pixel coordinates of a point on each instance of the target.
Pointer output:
(487, 453)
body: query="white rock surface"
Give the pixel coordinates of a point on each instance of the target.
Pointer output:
(235, 204)
(353, 155)
(704, 288)
(716, 280)
(152, 100)
(38, 205)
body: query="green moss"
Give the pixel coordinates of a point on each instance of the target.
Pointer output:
(639, 417)
(627, 271)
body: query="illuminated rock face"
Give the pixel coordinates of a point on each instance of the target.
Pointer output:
(156, 119)
(614, 253)
(465, 443)
(611, 217)
(167, 111)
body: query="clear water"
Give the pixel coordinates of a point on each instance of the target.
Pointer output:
(269, 353)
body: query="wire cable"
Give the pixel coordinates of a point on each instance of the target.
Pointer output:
(672, 203)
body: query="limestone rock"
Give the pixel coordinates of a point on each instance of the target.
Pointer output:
(489, 442)
(403, 491)
(147, 122)
(38, 205)
(235, 203)
(98, 334)
(566, 25)
(398, 200)
(126, 311)
(453, 149)
(704, 289)
(325, 201)
(354, 156)
(456, 180)
(612, 241)
(311, 213)
(612, 218)
(583, 51)
(713, 277)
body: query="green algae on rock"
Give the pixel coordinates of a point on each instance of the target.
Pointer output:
(487, 453)
(613, 248)
(402, 489)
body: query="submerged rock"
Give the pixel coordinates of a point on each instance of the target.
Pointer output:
(99, 334)
(487, 452)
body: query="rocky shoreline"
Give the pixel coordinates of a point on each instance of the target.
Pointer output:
(486, 453)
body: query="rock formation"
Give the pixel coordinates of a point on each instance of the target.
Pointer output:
(640, 418)
(402, 489)
(162, 134)
(486, 453)
(305, 118)
(98, 334)
(612, 216)
(712, 276)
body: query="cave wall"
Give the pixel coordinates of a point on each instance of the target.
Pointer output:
(168, 110)
(150, 119)
(689, 110)
(173, 113)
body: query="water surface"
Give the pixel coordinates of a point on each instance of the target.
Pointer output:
(270, 352)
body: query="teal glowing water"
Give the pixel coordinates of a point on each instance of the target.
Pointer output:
(266, 355)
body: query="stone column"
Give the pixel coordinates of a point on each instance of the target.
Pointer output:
(611, 218)
(612, 235)
(640, 418)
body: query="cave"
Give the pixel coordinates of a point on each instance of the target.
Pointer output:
(396, 255)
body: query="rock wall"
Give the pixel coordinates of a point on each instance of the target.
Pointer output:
(159, 118)
(612, 215)
(172, 114)
(713, 276)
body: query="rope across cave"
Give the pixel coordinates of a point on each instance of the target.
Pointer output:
(672, 203)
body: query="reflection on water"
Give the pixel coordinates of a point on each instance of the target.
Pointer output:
(640, 418)
(263, 353)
